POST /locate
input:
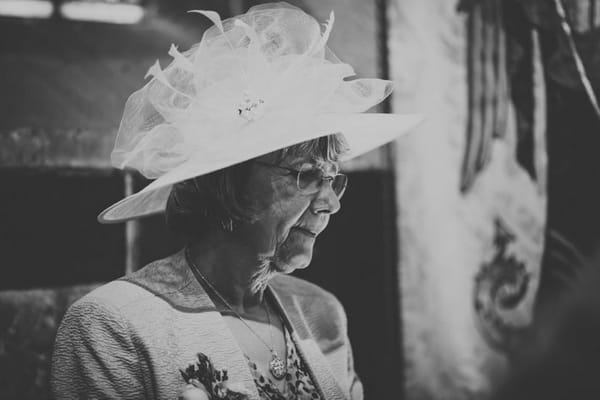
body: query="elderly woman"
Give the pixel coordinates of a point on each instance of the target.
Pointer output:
(243, 134)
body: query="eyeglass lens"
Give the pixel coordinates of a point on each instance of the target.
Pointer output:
(310, 180)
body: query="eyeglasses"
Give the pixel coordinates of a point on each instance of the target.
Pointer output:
(309, 179)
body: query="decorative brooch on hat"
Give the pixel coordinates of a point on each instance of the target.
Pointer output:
(251, 107)
(205, 382)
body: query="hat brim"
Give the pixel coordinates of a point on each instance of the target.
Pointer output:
(363, 132)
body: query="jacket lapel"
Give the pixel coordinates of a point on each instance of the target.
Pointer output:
(219, 339)
(175, 282)
(225, 352)
(307, 347)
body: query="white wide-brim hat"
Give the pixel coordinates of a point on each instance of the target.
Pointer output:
(255, 83)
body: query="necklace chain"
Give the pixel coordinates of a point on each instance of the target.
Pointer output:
(276, 370)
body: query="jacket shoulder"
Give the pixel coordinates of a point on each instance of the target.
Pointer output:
(301, 288)
(311, 298)
(113, 295)
(165, 279)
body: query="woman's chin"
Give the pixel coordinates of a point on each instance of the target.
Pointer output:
(295, 253)
(290, 263)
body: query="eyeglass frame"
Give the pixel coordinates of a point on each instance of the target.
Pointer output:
(298, 172)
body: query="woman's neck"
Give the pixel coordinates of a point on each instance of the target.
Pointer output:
(238, 274)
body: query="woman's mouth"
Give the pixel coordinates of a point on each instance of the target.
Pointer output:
(305, 231)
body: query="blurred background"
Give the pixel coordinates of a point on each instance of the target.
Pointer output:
(451, 244)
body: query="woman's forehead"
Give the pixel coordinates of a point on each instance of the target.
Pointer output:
(317, 162)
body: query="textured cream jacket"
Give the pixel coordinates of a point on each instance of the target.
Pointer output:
(129, 338)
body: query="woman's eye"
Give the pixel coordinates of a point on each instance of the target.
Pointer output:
(310, 175)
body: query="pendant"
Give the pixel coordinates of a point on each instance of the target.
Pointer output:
(277, 366)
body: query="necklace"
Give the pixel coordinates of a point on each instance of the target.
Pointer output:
(277, 366)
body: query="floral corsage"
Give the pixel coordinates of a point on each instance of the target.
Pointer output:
(204, 382)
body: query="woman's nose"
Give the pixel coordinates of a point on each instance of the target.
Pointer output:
(326, 200)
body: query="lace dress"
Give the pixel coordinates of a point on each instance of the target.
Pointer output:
(298, 384)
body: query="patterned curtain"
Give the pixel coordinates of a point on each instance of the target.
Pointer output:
(471, 189)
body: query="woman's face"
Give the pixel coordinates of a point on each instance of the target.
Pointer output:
(288, 221)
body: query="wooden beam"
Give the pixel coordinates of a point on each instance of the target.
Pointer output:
(132, 232)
